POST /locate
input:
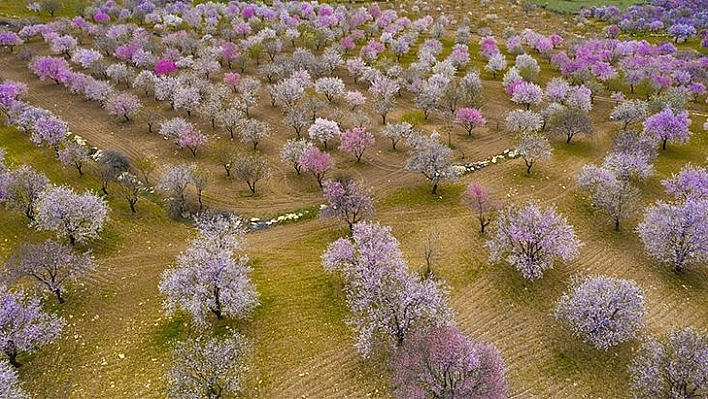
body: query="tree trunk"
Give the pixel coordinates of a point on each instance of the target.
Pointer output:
(483, 224)
(435, 188)
(57, 292)
(663, 144)
(132, 206)
(29, 212)
(11, 353)
(217, 303)
(72, 240)
(617, 225)
(528, 166)
(570, 136)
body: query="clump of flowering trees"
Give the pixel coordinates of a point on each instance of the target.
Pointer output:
(387, 302)
(394, 308)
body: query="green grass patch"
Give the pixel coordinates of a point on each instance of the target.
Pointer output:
(574, 6)
(170, 330)
(16, 9)
(415, 118)
(448, 194)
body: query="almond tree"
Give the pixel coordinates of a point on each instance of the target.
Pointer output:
(78, 217)
(354, 99)
(292, 152)
(54, 68)
(208, 367)
(673, 367)
(124, 104)
(225, 155)
(297, 118)
(187, 99)
(254, 131)
(330, 87)
(396, 132)
(533, 147)
(444, 363)
(603, 311)
(382, 90)
(324, 130)
(316, 161)
(481, 203)
(174, 182)
(518, 121)
(571, 122)
(52, 265)
(208, 279)
(630, 112)
(130, 188)
(531, 239)
(432, 159)
(676, 233)
(356, 141)
(469, 118)
(497, 63)
(249, 89)
(613, 195)
(387, 302)
(10, 384)
(669, 126)
(111, 163)
(251, 169)
(230, 119)
(74, 154)
(50, 131)
(10, 39)
(20, 189)
(527, 94)
(347, 200)
(288, 92)
(24, 327)
(183, 133)
(690, 183)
